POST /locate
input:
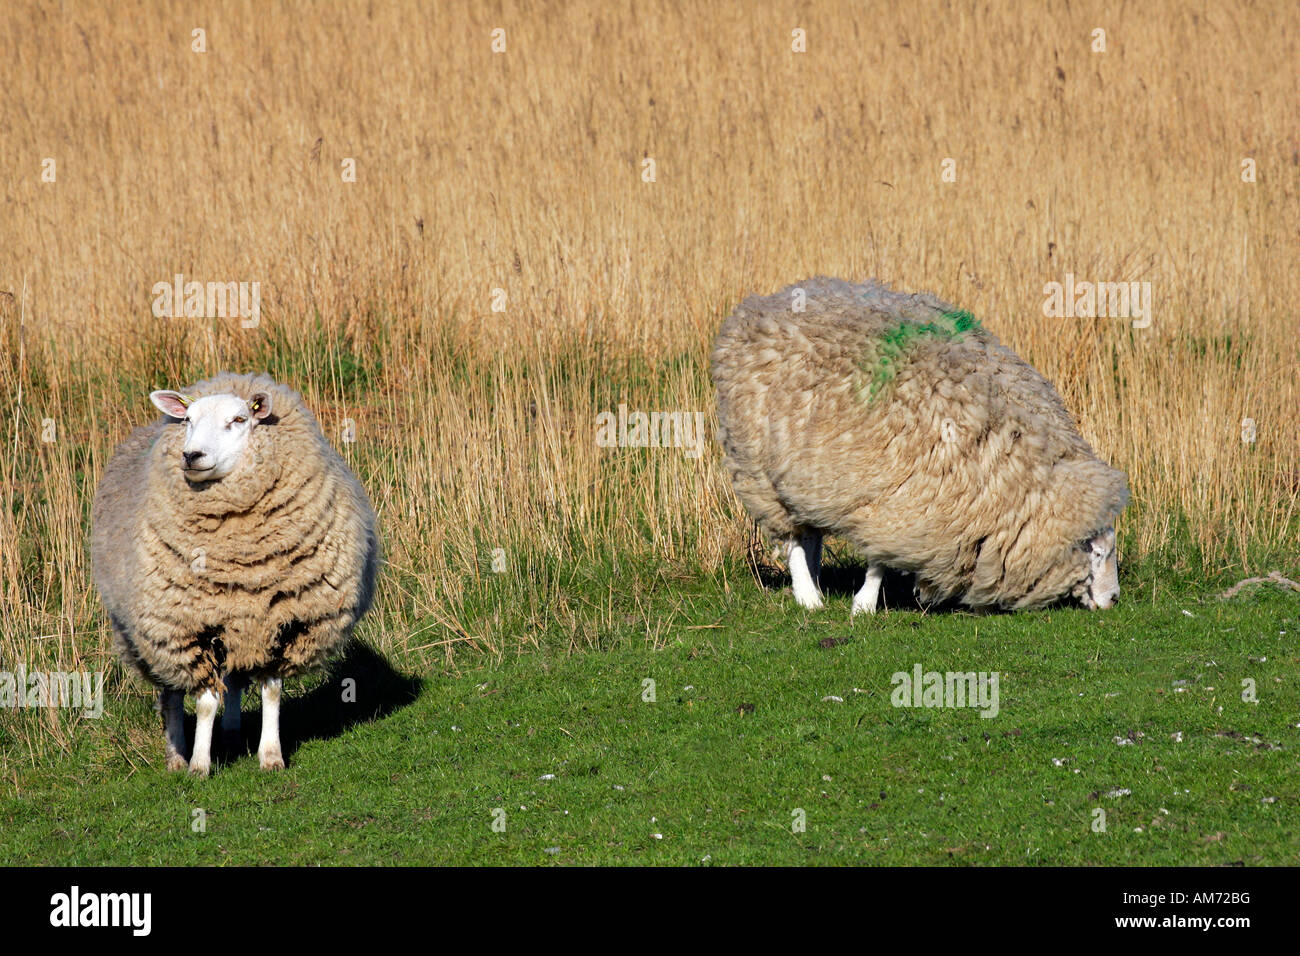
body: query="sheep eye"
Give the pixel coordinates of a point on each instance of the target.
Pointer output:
(240, 419)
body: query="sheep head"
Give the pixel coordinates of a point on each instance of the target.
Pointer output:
(1102, 586)
(217, 429)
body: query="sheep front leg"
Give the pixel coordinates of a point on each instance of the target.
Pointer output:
(799, 553)
(205, 715)
(231, 716)
(865, 599)
(269, 754)
(171, 703)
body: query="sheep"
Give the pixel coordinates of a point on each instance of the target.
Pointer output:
(904, 426)
(230, 543)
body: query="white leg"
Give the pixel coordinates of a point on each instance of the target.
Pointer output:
(268, 751)
(865, 599)
(805, 590)
(205, 715)
(172, 705)
(230, 711)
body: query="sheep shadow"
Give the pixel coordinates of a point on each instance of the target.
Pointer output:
(357, 688)
(843, 580)
(897, 590)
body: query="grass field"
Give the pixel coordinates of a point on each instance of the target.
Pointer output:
(576, 765)
(503, 268)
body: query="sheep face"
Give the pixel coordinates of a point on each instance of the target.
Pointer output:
(217, 428)
(1103, 582)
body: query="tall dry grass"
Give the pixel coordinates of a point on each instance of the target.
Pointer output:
(522, 171)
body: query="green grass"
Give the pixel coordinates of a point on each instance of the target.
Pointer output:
(740, 736)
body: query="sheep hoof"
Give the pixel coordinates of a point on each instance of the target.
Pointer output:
(200, 768)
(809, 603)
(862, 609)
(176, 762)
(271, 758)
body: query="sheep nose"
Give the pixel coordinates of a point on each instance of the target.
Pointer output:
(191, 457)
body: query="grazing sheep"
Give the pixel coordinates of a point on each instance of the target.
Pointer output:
(904, 426)
(230, 542)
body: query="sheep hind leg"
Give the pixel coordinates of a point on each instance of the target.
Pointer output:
(803, 555)
(231, 717)
(866, 599)
(205, 715)
(811, 542)
(269, 754)
(171, 703)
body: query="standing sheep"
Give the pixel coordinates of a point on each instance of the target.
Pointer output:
(230, 542)
(904, 426)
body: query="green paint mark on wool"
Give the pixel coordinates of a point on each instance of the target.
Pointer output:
(891, 345)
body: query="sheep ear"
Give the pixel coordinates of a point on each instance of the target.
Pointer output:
(260, 405)
(170, 403)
